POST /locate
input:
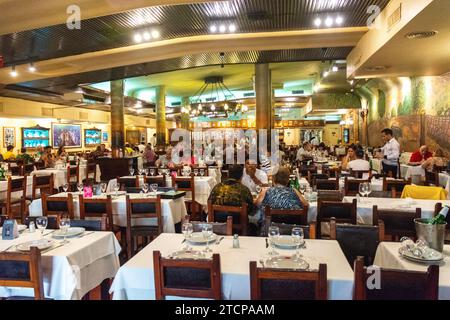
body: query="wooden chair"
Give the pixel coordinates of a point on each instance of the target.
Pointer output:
(357, 240)
(73, 177)
(97, 208)
(330, 195)
(128, 182)
(431, 178)
(396, 284)
(3, 218)
(188, 184)
(327, 184)
(341, 211)
(16, 169)
(299, 217)
(52, 221)
(22, 270)
(397, 223)
(395, 186)
(91, 171)
(220, 228)
(40, 165)
(43, 184)
(160, 181)
(351, 186)
(332, 172)
(16, 196)
(91, 225)
(187, 277)
(361, 174)
(58, 206)
(218, 213)
(27, 169)
(314, 176)
(283, 284)
(149, 208)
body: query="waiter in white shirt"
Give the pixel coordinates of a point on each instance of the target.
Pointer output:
(391, 152)
(253, 177)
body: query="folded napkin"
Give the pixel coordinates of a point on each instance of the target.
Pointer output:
(426, 193)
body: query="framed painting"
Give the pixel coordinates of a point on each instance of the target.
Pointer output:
(67, 135)
(9, 136)
(105, 136)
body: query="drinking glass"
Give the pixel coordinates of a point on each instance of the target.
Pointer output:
(202, 172)
(154, 188)
(65, 187)
(195, 172)
(152, 172)
(146, 171)
(41, 223)
(140, 172)
(116, 189)
(103, 186)
(207, 232)
(368, 190)
(64, 225)
(131, 171)
(302, 188)
(187, 230)
(362, 191)
(274, 234)
(145, 188)
(297, 237)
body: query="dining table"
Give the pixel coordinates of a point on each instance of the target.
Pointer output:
(70, 270)
(60, 174)
(4, 187)
(135, 279)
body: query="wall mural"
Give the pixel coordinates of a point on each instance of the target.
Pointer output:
(399, 103)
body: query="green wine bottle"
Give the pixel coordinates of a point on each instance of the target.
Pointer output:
(440, 218)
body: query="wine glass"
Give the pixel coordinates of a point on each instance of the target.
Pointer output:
(116, 189)
(195, 172)
(131, 170)
(362, 191)
(80, 187)
(274, 234)
(297, 237)
(368, 189)
(146, 171)
(41, 223)
(202, 172)
(302, 188)
(152, 172)
(145, 188)
(140, 172)
(103, 186)
(64, 225)
(207, 232)
(187, 230)
(65, 187)
(154, 188)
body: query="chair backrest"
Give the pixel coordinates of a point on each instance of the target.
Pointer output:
(16, 169)
(52, 221)
(73, 172)
(22, 270)
(3, 218)
(330, 195)
(397, 223)
(144, 208)
(16, 186)
(343, 213)
(309, 231)
(395, 186)
(286, 216)
(327, 184)
(58, 205)
(314, 176)
(283, 284)
(28, 169)
(332, 172)
(351, 186)
(431, 178)
(98, 208)
(125, 182)
(357, 240)
(218, 213)
(187, 277)
(396, 284)
(361, 174)
(40, 165)
(185, 184)
(221, 228)
(42, 183)
(91, 225)
(160, 181)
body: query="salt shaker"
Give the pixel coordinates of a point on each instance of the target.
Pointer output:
(236, 241)
(32, 227)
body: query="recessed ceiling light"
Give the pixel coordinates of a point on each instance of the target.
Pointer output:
(146, 36)
(421, 34)
(222, 28)
(137, 38)
(318, 22)
(225, 107)
(213, 28)
(339, 20)
(329, 22)
(325, 74)
(213, 107)
(155, 34)
(31, 67)
(13, 72)
(232, 28)
(335, 69)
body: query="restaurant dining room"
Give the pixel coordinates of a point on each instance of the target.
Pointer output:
(238, 150)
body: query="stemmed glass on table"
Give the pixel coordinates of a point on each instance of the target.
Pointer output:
(152, 172)
(65, 187)
(145, 188)
(187, 229)
(207, 232)
(41, 223)
(362, 191)
(154, 188)
(131, 170)
(297, 237)
(80, 187)
(103, 186)
(302, 188)
(64, 225)
(116, 189)
(274, 234)
(368, 189)
(202, 172)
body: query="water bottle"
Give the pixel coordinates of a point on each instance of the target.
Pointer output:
(236, 241)
(32, 227)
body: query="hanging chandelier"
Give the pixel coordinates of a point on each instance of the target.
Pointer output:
(213, 100)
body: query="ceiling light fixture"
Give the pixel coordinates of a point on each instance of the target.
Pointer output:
(31, 67)
(146, 36)
(137, 38)
(13, 72)
(213, 28)
(232, 27)
(213, 107)
(329, 22)
(318, 22)
(325, 74)
(339, 20)
(155, 34)
(222, 28)
(335, 69)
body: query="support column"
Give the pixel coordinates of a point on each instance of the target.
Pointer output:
(160, 99)
(185, 118)
(117, 118)
(263, 91)
(364, 128)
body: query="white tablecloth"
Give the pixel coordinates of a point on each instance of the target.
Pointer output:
(387, 256)
(135, 279)
(172, 211)
(377, 184)
(413, 171)
(70, 271)
(4, 188)
(60, 175)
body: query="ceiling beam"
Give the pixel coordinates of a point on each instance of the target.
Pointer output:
(24, 15)
(173, 48)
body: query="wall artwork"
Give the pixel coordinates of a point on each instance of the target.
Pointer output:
(105, 136)
(67, 135)
(9, 136)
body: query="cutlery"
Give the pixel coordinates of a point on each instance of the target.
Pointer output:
(183, 241)
(86, 234)
(267, 243)
(52, 248)
(219, 240)
(49, 233)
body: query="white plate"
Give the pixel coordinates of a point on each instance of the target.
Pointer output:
(285, 262)
(42, 244)
(286, 242)
(72, 232)
(187, 254)
(407, 254)
(112, 193)
(197, 238)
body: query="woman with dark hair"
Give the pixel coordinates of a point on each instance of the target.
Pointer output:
(351, 155)
(61, 154)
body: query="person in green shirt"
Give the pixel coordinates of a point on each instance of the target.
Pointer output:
(27, 159)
